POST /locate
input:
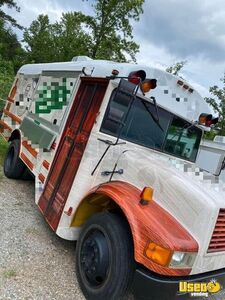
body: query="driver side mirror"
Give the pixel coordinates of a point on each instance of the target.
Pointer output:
(120, 101)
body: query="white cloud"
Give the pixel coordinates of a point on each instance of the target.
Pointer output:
(168, 31)
(175, 30)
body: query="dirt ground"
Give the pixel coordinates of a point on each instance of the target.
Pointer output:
(34, 262)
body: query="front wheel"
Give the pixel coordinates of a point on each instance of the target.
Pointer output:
(104, 257)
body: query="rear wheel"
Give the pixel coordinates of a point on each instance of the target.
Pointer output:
(13, 165)
(104, 257)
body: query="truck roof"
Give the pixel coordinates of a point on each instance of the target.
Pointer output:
(172, 92)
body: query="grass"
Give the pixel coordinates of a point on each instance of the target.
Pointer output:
(3, 148)
(9, 274)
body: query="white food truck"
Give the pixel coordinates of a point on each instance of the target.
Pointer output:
(113, 149)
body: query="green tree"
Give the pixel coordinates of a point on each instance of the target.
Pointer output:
(10, 47)
(176, 68)
(6, 79)
(105, 35)
(39, 40)
(69, 38)
(111, 30)
(217, 102)
(46, 42)
(7, 18)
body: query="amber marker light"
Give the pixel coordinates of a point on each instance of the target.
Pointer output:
(158, 254)
(148, 84)
(146, 195)
(204, 118)
(180, 82)
(207, 120)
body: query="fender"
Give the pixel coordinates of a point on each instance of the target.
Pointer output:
(147, 223)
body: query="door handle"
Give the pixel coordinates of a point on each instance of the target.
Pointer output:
(107, 173)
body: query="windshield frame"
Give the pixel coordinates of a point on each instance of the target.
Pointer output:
(172, 115)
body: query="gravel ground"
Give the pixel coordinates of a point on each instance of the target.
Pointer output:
(34, 262)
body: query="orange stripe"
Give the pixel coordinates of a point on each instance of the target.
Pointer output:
(12, 116)
(29, 148)
(6, 126)
(8, 106)
(27, 161)
(41, 177)
(46, 164)
(10, 100)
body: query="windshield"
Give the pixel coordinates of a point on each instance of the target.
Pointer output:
(174, 136)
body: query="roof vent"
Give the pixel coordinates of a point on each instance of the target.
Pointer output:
(81, 58)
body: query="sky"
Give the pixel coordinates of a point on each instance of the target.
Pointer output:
(168, 31)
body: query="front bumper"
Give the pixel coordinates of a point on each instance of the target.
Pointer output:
(150, 286)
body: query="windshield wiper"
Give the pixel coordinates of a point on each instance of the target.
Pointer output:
(155, 118)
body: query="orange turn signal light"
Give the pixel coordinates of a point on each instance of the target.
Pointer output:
(207, 120)
(158, 254)
(146, 195)
(148, 84)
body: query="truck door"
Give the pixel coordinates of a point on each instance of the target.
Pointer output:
(71, 148)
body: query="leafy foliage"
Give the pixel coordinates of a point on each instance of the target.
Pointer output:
(3, 149)
(39, 41)
(10, 48)
(7, 18)
(11, 52)
(209, 135)
(106, 35)
(217, 102)
(111, 31)
(175, 69)
(6, 79)
(69, 36)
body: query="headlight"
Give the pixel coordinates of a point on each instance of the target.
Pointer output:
(168, 258)
(182, 260)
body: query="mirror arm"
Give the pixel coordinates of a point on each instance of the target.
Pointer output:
(109, 143)
(100, 160)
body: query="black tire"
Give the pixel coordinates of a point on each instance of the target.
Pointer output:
(13, 165)
(104, 257)
(27, 175)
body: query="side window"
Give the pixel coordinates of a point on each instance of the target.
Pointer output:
(140, 127)
(182, 139)
(116, 111)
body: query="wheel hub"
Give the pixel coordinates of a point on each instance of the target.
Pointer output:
(95, 258)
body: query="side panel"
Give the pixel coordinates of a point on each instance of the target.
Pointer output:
(72, 145)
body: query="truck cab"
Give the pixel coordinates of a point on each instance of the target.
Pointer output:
(114, 150)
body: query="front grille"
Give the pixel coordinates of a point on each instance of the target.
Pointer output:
(217, 243)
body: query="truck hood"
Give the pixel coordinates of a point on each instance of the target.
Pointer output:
(187, 193)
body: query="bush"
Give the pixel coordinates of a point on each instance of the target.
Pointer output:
(6, 79)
